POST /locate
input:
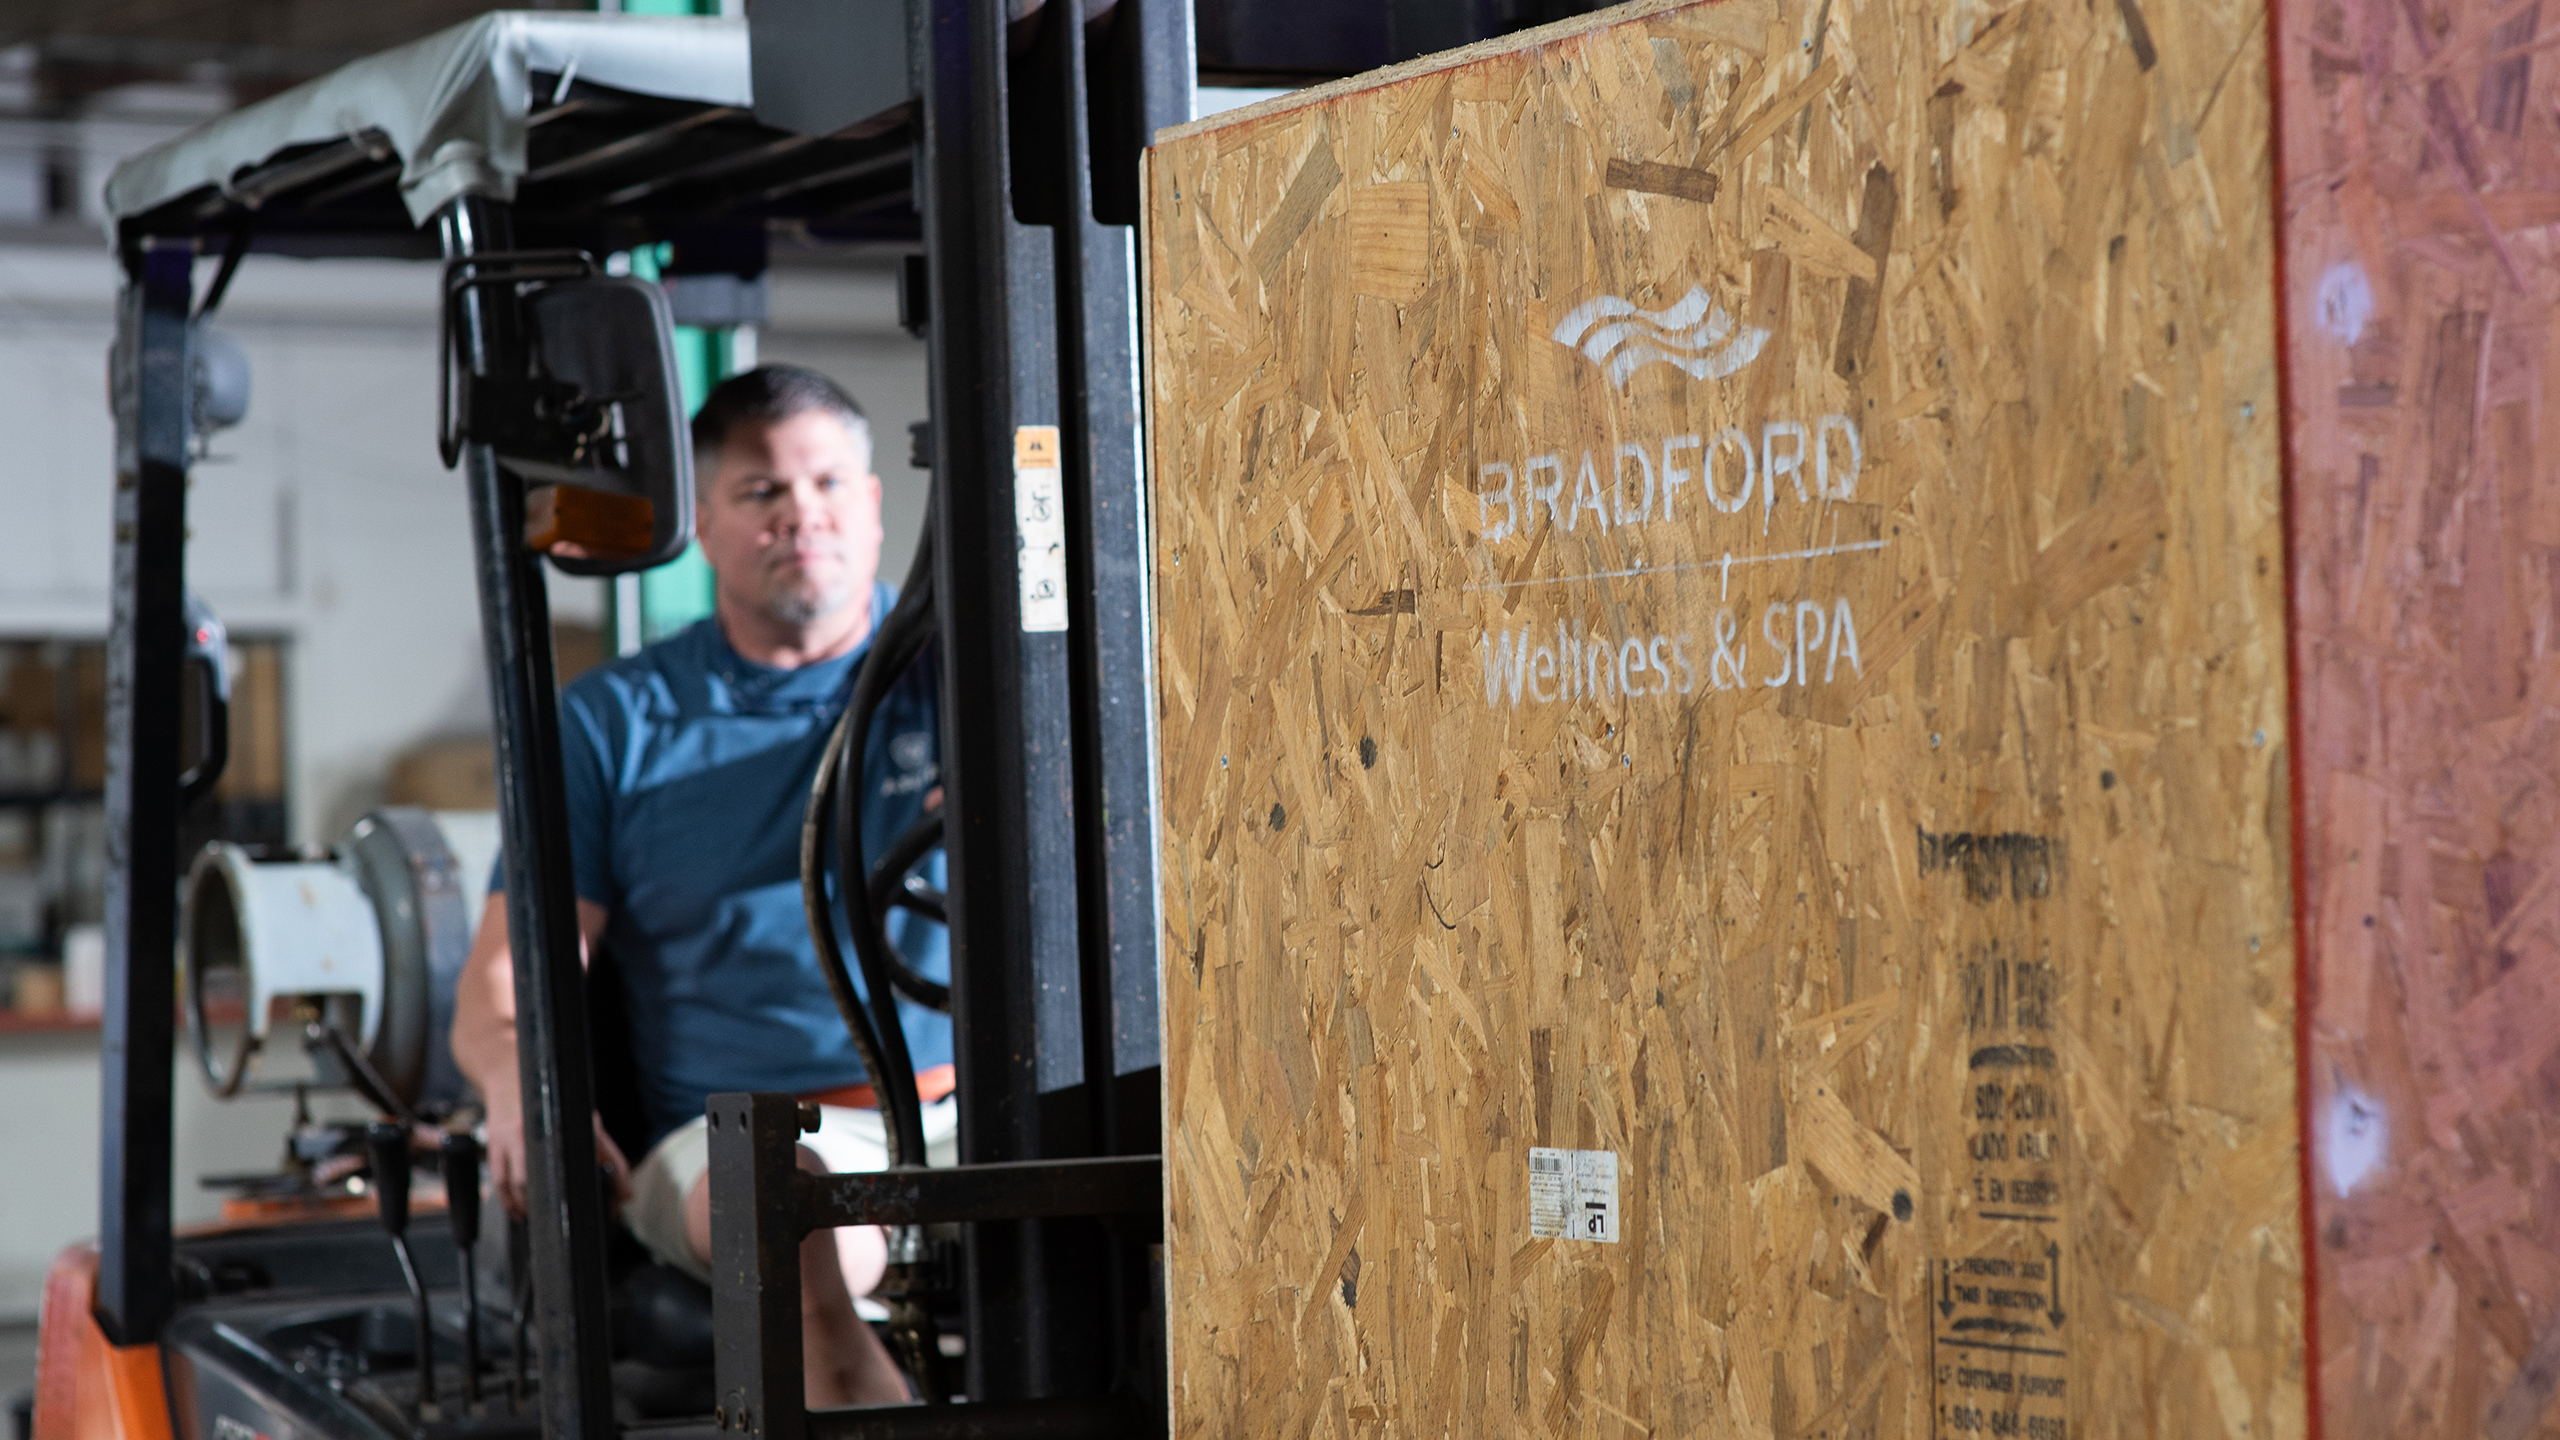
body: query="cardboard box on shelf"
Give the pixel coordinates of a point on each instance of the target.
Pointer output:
(35, 988)
(257, 767)
(458, 772)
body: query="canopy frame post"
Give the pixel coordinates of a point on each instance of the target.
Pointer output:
(566, 1213)
(146, 653)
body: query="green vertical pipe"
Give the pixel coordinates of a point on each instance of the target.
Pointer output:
(679, 592)
(676, 594)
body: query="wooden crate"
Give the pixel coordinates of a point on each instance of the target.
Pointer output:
(1534, 429)
(2422, 182)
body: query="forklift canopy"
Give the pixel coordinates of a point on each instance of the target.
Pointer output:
(601, 130)
(453, 108)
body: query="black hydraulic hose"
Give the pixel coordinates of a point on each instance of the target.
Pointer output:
(894, 647)
(900, 639)
(888, 886)
(883, 1046)
(900, 1105)
(822, 930)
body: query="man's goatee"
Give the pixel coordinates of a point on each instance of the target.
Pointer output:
(802, 607)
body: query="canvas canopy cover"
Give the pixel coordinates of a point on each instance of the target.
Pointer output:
(453, 108)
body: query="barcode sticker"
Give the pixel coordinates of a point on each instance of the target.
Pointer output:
(1040, 521)
(1573, 1194)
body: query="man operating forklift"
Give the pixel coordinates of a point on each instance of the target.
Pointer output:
(687, 767)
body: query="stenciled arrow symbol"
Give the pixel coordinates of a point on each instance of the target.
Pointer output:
(2053, 1268)
(1946, 1289)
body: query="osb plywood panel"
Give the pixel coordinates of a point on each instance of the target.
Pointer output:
(2422, 185)
(1720, 588)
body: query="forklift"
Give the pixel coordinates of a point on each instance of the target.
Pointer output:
(998, 148)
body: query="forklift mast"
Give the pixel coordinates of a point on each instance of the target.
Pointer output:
(1027, 188)
(1034, 332)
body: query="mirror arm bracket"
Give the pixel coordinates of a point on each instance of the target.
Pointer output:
(512, 269)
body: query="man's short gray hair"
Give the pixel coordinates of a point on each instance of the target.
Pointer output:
(767, 395)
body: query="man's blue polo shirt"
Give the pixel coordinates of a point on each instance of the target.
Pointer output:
(688, 769)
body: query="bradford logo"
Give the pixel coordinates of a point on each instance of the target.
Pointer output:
(1696, 336)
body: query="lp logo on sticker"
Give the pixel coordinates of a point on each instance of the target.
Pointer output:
(1573, 1194)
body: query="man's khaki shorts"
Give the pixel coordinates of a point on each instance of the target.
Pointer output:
(847, 1140)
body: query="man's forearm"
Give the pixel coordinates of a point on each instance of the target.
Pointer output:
(487, 1058)
(484, 1016)
(483, 1037)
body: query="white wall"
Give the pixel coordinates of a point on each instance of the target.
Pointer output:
(324, 517)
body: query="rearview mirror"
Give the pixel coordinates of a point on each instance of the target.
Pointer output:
(596, 426)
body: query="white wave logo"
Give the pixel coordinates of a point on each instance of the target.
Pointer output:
(1696, 335)
(912, 750)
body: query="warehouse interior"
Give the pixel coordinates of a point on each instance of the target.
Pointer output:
(1759, 718)
(328, 549)
(329, 552)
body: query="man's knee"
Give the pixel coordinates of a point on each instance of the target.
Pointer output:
(697, 1217)
(697, 1204)
(860, 1253)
